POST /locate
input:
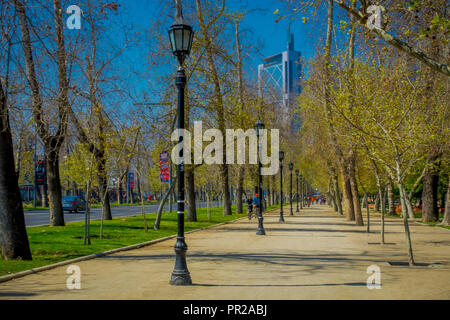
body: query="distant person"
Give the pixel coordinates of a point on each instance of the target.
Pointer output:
(249, 203)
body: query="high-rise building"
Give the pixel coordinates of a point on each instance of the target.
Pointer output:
(279, 76)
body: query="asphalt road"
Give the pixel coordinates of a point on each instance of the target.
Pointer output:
(42, 217)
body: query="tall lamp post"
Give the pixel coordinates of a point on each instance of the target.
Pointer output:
(301, 192)
(296, 180)
(308, 192)
(281, 157)
(259, 126)
(291, 166)
(181, 36)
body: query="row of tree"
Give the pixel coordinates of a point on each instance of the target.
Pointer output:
(374, 117)
(76, 96)
(381, 110)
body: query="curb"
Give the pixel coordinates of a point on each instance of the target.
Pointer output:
(102, 254)
(417, 221)
(439, 226)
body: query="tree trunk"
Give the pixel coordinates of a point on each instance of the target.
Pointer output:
(208, 204)
(54, 185)
(330, 195)
(406, 226)
(239, 190)
(132, 198)
(348, 199)
(446, 220)
(240, 178)
(390, 194)
(381, 194)
(364, 200)
(218, 101)
(430, 211)
(52, 143)
(409, 208)
(377, 203)
(44, 200)
(355, 193)
(226, 190)
(162, 203)
(103, 187)
(13, 234)
(191, 212)
(120, 192)
(337, 194)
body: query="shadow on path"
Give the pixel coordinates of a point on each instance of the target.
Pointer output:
(268, 229)
(281, 285)
(16, 294)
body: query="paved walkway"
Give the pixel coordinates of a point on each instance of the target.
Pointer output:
(313, 255)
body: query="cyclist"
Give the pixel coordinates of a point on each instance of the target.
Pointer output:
(256, 203)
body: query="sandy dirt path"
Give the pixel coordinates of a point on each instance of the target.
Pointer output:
(314, 255)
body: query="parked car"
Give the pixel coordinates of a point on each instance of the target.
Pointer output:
(73, 204)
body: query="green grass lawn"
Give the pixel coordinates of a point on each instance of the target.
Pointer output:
(115, 204)
(54, 244)
(437, 223)
(29, 206)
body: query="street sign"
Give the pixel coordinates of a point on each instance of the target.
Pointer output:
(164, 170)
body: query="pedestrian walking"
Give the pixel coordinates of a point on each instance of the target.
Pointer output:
(249, 203)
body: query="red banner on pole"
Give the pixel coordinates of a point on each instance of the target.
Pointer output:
(131, 180)
(164, 170)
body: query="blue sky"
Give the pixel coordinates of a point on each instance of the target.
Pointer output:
(259, 25)
(260, 21)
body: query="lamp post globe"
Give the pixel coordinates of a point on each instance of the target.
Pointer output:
(181, 36)
(281, 158)
(291, 166)
(259, 126)
(281, 155)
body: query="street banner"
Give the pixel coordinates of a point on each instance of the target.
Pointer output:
(131, 180)
(164, 170)
(40, 173)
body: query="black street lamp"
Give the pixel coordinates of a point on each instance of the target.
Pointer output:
(181, 36)
(281, 157)
(301, 192)
(296, 177)
(291, 166)
(258, 127)
(308, 192)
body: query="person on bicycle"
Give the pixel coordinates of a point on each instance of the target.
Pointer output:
(249, 207)
(256, 204)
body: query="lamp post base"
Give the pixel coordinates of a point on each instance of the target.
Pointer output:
(181, 279)
(260, 231)
(281, 217)
(180, 274)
